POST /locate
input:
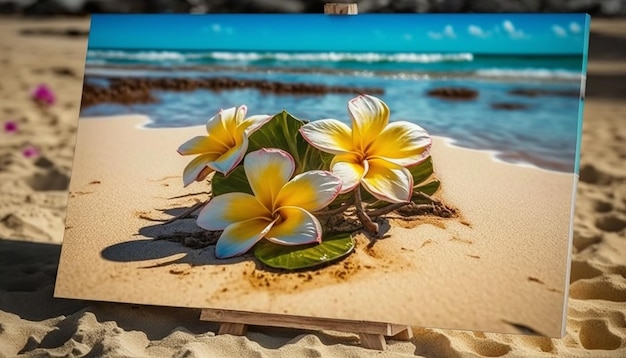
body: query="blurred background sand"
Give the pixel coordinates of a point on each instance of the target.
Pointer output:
(33, 196)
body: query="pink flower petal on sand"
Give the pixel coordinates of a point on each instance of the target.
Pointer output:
(30, 152)
(10, 126)
(43, 94)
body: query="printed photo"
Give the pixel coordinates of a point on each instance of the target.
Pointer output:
(407, 169)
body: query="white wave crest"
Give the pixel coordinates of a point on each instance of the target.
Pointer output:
(538, 73)
(280, 56)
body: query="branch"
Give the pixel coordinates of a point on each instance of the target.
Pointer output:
(187, 212)
(367, 222)
(386, 209)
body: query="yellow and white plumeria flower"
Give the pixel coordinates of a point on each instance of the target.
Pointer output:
(224, 145)
(280, 209)
(374, 152)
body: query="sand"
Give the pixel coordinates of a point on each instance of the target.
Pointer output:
(33, 196)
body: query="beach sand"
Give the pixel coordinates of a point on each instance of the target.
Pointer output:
(514, 279)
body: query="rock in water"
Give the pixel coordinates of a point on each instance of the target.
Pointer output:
(453, 93)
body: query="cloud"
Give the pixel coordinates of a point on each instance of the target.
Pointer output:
(512, 31)
(217, 29)
(477, 31)
(448, 32)
(508, 26)
(434, 35)
(559, 31)
(408, 37)
(574, 27)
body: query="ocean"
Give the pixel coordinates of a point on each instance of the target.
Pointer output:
(541, 133)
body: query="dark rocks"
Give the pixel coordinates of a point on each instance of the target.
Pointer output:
(70, 32)
(138, 90)
(83, 7)
(453, 93)
(504, 6)
(537, 92)
(448, 6)
(508, 106)
(64, 71)
(116, 93)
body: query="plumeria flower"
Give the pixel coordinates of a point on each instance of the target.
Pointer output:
(224, 145)
(374, 152)
(44, 95)
(280, 209)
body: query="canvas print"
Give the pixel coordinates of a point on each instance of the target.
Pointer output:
(409, 169)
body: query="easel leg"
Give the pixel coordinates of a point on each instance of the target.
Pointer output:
(404, 335)
(373, 341)
(235, 329)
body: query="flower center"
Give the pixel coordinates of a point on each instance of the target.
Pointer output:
(278, 217)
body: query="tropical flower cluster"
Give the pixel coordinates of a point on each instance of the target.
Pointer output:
(276, 175)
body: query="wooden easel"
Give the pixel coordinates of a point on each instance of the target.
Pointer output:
(372, 334)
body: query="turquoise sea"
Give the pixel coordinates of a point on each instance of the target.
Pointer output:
(543, 133)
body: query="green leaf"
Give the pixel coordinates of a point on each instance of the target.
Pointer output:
(428, 189)
(422, 171)
(304, 256)
(236, 181)
(282, 132)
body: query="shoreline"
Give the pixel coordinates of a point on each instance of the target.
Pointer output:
(448, 140)
(426, 248)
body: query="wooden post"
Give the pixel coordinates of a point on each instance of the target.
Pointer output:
(340, 9)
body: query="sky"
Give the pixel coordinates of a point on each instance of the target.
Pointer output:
(422, 33)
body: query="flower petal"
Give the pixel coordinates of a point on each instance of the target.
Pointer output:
(402, 143)
(328, 135)
(369, 117)
(214, 123)
(312, 190)
(350, 169)
(240, 114)
(226, 209)
(388, 181)
(297, 227)
(196, 166)
(268, 170)
(253, 123)
(221, 128)
(239, 237)
(228, 161)
(199, 145)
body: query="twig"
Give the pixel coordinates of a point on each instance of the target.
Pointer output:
(428, 197)
(187, 212)
(386, 209)
(434, 201)
(188, 195)
(367, 222)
